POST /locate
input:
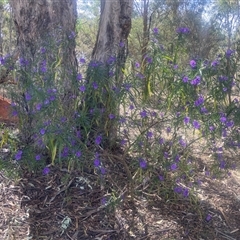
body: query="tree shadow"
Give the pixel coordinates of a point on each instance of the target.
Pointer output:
(84, 205)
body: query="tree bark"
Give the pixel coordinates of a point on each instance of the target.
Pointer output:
(46, 26)
(37, 20)
(1, 21)
(111, 43)
(113, 31)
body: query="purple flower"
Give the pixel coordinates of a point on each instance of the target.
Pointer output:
(168, 130)
(2, 60)
(196, 81)
(42, 131)
(98, 140)
(222, 78)
(155, 31)
(142, 163)
(96, 162)
(43, 50)
(224, 89)
(208, 217)
(149, 134)
(43, 66)
(182, 143)
(63, 119)
(196, 124)
(122, 120)
(123, 142)
(28, 97)
(230, 123)
(111, 73)
(95, 85)
(121, 44)
(199, 101)
(14, 113)
(23, 62)
(137, 64)
(215, 63)
(222, 164)
(82, 88)
(111, 116)
(177, 158)
(186, 120)
(103, 170)
(46, 170)
(161, 141)
(211, 128)
(140, 76)
(204, 110)
(143, 114)
(72, 35)
(111, 60)
(223, 119)
(39, 106)
(149, 60)
(82, 60)
(52, 98)
(18, 155)
(185, 192)
(78, 154)
(104, 201)
(193, 64)
(185, 79)
(229, 53)
(47, 123)
(38, 157)
(166, 155)
(161, 178)
(173, 167)
(65, 152)
(79, 76)
(183, 30)
(224, 133)
(178, 189)
(131, 107)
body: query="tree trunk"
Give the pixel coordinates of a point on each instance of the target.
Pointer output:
(110, 50)
(1, 21)
(37, 21)
(113, 31)
(45, 35)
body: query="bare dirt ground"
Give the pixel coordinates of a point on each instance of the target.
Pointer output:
(78, 205)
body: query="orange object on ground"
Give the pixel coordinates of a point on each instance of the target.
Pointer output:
(6, 111)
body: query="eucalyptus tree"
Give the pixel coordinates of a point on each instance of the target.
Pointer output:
(45, 41)
(227, 14)
(108, 58)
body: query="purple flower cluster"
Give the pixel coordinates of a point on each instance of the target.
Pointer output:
(196, 81)
(199, 101)
(183, 30)
(181, 190)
